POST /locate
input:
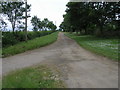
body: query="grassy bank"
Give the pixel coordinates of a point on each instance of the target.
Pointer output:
(104, 46)
(31, 44)
(33, 77)
(8, 38)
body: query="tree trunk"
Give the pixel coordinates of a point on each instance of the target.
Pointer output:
(101, 30)
(71, 30)
(13, 23)
(13, 27)
(77, 32)
(26, 21)
(86, 32)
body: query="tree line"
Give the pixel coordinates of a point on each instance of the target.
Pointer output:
(14, 11)
(96, 18)
(43, 25)
(17, 14)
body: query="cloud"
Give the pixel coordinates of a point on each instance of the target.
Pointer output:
(51, 9)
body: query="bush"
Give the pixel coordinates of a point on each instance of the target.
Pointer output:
(29, 45)
(8, 38)
(20, 36)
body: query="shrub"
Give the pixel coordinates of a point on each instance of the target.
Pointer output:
(9, 38)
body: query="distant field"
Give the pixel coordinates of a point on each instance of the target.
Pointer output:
(33, 77)
(30, 44)
(104, 46)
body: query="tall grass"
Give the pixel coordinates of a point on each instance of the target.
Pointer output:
(30, 44)
(33, 77)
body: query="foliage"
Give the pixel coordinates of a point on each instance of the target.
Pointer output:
(43, 25)
(8, 38)
(14, 11)
(33, 77)
(35, 22)
(3, 25)
(30, 44)
(91, 17)
(104, 46)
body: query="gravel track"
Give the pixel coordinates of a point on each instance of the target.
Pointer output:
(78, 67)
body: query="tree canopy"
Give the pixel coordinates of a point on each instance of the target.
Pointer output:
(43, 25)
(91, 17)
(15, 12)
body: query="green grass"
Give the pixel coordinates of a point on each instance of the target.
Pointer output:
(103, 46)
(31, 44)
(33, 77)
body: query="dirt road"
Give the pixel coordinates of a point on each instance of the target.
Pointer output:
(79, 68)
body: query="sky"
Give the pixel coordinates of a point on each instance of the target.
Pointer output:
(51, 9)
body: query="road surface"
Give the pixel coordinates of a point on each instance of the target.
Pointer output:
(78, 67)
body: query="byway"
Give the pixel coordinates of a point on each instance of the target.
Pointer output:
(79, 68)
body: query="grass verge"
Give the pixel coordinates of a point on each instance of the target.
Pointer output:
(103, 46)
(33, 77)
(31, 44)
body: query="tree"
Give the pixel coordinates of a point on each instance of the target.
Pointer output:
(3, 25)
(14, 12)
(43, 25)
(51, 26)
(90, 17)
(36, 23)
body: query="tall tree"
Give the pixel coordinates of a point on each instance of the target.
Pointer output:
(43, 25)
(14, 11)
(36, 23)
(91, 16)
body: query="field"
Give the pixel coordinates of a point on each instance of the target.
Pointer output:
(104, 46)
(30, 44)
(33, 77)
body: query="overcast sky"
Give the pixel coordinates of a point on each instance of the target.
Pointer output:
(51, 9)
